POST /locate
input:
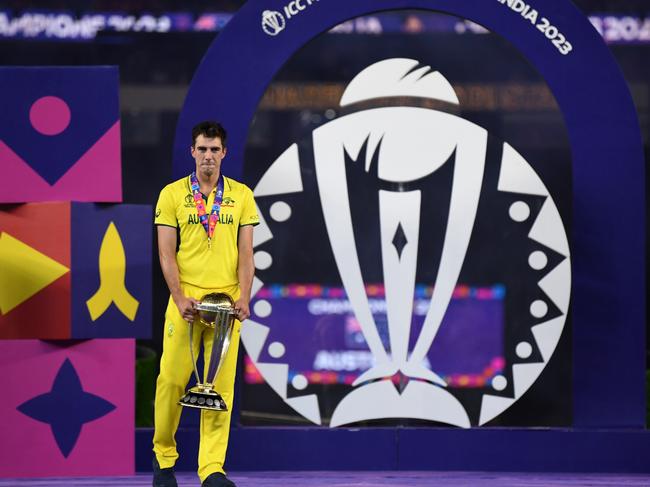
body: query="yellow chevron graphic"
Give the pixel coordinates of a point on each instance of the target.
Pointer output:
(24, 272)
(112, 275)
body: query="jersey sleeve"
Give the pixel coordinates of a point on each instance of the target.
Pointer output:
(165, 209)
(249, 214)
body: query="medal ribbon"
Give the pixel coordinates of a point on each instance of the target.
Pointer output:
(208, 222)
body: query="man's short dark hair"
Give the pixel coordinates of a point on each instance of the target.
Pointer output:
(209, 129)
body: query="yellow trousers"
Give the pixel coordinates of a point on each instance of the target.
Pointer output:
(175, 370)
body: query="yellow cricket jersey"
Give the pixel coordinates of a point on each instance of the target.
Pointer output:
(198, 265)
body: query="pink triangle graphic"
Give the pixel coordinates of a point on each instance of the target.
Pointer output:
(95, 177)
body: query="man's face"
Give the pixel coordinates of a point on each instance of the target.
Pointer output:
(208, 154)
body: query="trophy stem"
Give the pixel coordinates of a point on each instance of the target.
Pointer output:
(220, 343)
(196, 371)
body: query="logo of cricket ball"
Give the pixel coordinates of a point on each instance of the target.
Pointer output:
(409, 143)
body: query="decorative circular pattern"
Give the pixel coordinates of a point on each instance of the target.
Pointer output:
(276, 349)
(299, 382)
(262, 308)
(280, 211)
(499, 382)
(537, 260)
(524, 350)
(49, 115)
(263, 260)
(516, 176)
(538, 308)
(519, 211)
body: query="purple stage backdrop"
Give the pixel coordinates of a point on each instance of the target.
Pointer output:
(608, 285)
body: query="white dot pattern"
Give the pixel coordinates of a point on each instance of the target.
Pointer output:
(537, 260)
(280, 211)
(499, 383)
(299, 382)
(276, 349)
(524, 350)
(263, 260)
(538, 308)
(519, 211)
(262, 308)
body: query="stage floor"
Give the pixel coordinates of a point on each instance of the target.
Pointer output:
(362, 479)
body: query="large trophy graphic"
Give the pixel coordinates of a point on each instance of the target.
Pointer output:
(216, 310)
(408, 144)
(392, 137)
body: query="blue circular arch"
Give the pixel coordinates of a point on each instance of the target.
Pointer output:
(608, 240)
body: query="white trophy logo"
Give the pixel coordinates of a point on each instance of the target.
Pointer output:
(410, 143)
(272, 22)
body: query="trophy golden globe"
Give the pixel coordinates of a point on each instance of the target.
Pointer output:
(217, 311)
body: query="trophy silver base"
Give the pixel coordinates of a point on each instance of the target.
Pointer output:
(203, 398)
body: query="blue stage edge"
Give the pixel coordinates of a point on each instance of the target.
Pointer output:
(440, 449)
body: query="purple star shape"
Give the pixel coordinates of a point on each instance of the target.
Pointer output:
(66, 408)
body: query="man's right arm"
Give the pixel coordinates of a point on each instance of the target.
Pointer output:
(167, 252)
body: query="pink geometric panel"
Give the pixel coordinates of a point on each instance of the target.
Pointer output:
(67, 408)
(95, 177)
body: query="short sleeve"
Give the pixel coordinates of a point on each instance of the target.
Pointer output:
(165, 209)
(249, 214)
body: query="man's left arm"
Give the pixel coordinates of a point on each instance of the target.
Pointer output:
(245, 271)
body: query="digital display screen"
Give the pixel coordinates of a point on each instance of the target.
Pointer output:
(324, 342)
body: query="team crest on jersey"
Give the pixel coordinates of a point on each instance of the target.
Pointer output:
(228, 202)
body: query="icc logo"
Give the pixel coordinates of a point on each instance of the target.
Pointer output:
(272, 22)
(401, 146)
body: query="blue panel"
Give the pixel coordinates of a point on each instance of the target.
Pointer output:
(477, 449)
(549, 450)
(608, 249)
(310, 449)
(90, 223)
(287, 449)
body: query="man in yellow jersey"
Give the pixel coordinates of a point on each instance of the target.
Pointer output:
(205, 242)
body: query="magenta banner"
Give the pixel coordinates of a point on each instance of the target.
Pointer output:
(65, 407)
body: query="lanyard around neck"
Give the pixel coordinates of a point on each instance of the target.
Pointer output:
(208, 222)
